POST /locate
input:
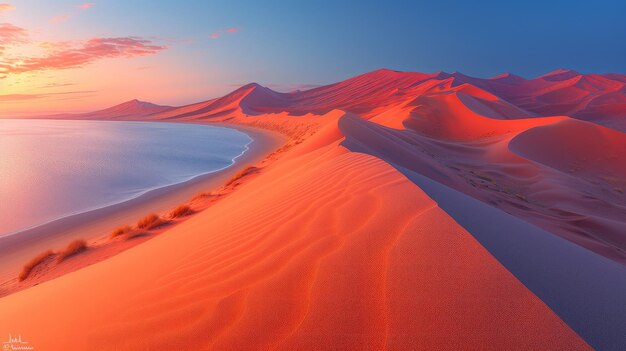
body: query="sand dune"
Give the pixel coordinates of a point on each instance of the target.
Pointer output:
(601, 153)
(129, 110)
(336, 248)
(330, 244)
(563, 92)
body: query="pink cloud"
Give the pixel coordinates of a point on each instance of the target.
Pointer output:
(59, 19)
(219, 33)
(12, 35)
(86, 6)
(88, 52)
(6, 7)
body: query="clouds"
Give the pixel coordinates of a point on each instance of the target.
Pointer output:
(59, 19)
(65, 17)
(12, 35)
(6, 7)
(64, 55)
(86, 6)
(218, 33)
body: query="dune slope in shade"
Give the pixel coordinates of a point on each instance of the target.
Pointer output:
(600, 154)
(574, 189)
(334, 248)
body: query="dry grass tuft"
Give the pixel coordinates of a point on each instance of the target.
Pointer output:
(150, 221)
(30, 265)
(121, 231)
(75, 247)
(244, 172)
(201, 196)
(181, 211)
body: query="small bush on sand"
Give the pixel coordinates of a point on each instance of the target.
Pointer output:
(181, 211)
(150, 221)
(75, 247)
(244, 172)
(121, 231)
(30, 265)
(201, 196)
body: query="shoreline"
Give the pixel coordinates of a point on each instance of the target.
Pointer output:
(139, 193)
(92, 225)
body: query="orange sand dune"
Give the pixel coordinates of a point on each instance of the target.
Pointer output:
(601, 153)
(563, 92)
(466, 125)
(332, 247)
(325, 248)
(456, 129)
(447, 117)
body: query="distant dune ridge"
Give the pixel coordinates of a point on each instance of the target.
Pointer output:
(333, 246)
(132, 109)
(600, 98)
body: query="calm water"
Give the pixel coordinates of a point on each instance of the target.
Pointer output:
(51, 169)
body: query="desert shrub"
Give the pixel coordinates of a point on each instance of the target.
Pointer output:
(30, 265)
(150, 221)
(121, 231)
(73, 248)
(244, 172)
(202, 195)
(181, 211)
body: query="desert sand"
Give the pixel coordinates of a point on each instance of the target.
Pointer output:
(347, 236)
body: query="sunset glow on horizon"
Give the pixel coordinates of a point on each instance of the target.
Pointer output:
(70, 56)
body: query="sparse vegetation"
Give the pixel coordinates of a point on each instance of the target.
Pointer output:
(244, 172)
(181, 211)
(150, 221)
(201, 196)
(121, 231)
(30, 265)
(73, 248)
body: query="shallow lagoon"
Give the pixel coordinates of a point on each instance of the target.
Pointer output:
(50, 169)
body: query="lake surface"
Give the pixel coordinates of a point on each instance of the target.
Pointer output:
(50, 169)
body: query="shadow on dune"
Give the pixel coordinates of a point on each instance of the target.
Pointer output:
(585, 289)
